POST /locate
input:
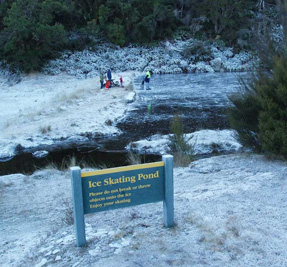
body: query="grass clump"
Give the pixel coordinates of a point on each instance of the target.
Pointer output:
(45, 129)
(67, 211)
(181, 149)
(133, 158)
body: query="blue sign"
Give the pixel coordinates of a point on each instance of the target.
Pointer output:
(122, 187)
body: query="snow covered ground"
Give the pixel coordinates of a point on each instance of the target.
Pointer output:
(45, 109)
(202, 142)
(177, 56)
(229, 211)
(167, 57)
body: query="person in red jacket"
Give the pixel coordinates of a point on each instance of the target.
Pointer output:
(107, 84)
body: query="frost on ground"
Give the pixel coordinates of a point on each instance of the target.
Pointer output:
(165, 58)
(229, 211)
(46, 110)
(202, 142)
(173, 56)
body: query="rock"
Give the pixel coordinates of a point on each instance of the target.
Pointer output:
(216, 64)
(58, 258)
(56, 251)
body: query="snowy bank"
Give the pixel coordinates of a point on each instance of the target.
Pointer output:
(47, 110)
(229, 211)
(166, 58)
(202, 142)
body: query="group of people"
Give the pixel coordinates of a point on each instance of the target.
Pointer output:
(108, 78)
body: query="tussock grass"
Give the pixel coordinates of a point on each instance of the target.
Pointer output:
(181, 160)
(133, 158)
(45, 129)
(63, 166)
(68, 97)
(67, 205)
(181, 148)
(67, 163)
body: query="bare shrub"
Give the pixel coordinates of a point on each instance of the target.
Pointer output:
(45, 129)
(109, 122)
(181, 160)
(67, 208)
(133, 158)
(179, 144)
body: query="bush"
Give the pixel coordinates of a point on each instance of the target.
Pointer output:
(181, 149)
(259, 114)
(243, 115)
(197, 51)
(273, 117)
(117, 34)
(31, 36)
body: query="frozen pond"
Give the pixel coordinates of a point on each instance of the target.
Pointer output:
(200, 99)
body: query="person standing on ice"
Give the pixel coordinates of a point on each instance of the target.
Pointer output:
(147, 79)
(121, 81)
(109, 74)
(142, 85)
(102, 79)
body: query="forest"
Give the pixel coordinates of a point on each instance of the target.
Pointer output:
(34, 31)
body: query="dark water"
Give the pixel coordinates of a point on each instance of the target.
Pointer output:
(200, 99)
(61, 159)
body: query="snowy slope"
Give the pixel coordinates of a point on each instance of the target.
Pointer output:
(44, 110)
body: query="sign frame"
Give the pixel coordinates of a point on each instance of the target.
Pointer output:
(79, 194)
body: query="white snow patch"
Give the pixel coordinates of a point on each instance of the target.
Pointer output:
(203, 142)
(40, 154)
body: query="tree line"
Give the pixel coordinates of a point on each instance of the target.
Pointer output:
(34, 31)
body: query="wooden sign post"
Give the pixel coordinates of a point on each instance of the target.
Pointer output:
(122, 187)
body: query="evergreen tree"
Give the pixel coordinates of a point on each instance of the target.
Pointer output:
(273, 116)
(31, 34)
(259, 114)
(243, 115)
(4, 6)
(226, 17)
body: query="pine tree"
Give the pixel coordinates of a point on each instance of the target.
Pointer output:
(31, 35)
(273, 117)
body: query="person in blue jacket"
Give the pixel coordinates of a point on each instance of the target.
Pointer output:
(109, 75)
